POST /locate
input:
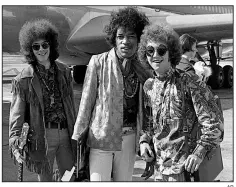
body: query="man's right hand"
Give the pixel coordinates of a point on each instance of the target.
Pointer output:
(146, 152)
(19, 158)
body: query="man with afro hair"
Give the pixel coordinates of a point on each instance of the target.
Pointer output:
(111, 102)
(43, 97)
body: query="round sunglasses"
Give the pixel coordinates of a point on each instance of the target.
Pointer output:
(161, 50)
(44, 45)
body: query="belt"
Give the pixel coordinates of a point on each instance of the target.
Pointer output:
(54, 125)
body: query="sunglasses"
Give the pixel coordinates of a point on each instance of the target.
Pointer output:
(44, 45)
(161, 50)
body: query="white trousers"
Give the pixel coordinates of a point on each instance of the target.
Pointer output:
(119, 163)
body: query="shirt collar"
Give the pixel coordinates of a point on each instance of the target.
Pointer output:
(186, 57)
(42, 68)
(167, 75)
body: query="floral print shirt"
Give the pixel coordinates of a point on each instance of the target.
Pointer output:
(52, 112)
(166, 97)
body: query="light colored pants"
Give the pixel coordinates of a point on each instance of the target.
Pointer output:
(59, 147)
(120, 163)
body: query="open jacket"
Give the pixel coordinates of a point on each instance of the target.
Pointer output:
(181, 99)
(101, 105)
(27, 106)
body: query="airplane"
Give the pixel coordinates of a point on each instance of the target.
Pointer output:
(81, 31)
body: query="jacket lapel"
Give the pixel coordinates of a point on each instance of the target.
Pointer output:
(114, 62)
(61, 80)
(35, 84)
(38, 90)
(29, 72)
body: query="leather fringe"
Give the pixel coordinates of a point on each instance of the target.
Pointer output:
(34, 166)
(12, 146)
(42, 167)
(16, 89)
(38, 167)
(12, 156)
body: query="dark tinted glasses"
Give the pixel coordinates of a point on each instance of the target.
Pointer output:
(44, 45)
(161, 50)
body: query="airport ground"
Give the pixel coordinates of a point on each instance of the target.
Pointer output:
(13, 64)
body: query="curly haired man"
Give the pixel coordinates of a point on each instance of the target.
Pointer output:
(43, 97)
(111, 101)
(187, 124)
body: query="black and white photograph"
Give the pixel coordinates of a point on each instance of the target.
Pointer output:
(117, 93)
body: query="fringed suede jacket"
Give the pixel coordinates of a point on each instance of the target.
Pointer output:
(27, 106)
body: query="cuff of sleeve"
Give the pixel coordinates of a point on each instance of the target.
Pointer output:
(145, 138)
(200, 151)
(75, 137)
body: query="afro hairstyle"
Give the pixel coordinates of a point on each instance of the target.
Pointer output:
(128, 17)
(38, 29)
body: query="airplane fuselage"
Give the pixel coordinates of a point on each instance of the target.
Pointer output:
(81, 27)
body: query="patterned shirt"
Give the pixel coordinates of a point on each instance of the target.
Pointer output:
(166, 130)
(131, 104)
(53, 112)
(131, 99)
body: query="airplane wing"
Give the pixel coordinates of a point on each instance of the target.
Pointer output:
(81, 27)
(203, 27)
(193, 9)
(88, 35)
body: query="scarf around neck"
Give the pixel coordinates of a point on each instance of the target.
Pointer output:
(142, 73)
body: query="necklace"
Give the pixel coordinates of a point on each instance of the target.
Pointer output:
(52, 99)
(128, 73)
(133, 81)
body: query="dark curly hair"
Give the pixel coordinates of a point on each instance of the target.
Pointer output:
(38, 29)
(186, 42)
(164, 34)
(128, 17)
